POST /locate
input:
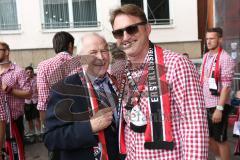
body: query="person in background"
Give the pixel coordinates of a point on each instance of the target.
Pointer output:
(216, 78)
(30, 107)
(85, 128)
(14, 88)
(54, 69)
(186, 55)
(162, 112)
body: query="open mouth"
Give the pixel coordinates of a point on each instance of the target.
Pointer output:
(127, 45)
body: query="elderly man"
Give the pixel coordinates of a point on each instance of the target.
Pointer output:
(80, 119)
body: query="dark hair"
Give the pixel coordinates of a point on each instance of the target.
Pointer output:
(185, 54)
(5, 45)
(217, 30)
(61, 41)
(29, 68)
(128, 9)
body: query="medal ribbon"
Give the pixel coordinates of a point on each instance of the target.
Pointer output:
(217, 67)
(158, 135)
(95, 107)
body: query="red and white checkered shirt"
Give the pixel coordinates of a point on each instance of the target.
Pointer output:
(34, 97)
(227, 65)
(51, 71)
(16, 78)
(189, 120)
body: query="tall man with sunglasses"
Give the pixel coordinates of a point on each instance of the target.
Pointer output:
(217, 75)
(162, 112)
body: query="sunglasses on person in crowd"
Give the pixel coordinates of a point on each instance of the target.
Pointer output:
(132, 29)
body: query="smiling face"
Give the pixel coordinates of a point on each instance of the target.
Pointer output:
(97, 52)
(133, 44)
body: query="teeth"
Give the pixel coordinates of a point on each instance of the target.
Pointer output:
(127, 45)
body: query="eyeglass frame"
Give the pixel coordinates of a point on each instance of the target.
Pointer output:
(127, 29)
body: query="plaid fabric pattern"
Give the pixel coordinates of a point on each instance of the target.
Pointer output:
(189, 120)
(16, 78)
(34, 98)
(51, 71)
(227, 65)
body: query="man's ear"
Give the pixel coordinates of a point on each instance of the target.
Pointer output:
(7, 52)
(70, 48)
(148, 28)
(220, 40)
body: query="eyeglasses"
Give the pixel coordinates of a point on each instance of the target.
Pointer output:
(2, 49)
(132, 29)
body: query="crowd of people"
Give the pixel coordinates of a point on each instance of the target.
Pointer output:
(152, 105)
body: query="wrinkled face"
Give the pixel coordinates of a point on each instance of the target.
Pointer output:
(29, 73)
(133, 42)
(213, 41)
(98, 57)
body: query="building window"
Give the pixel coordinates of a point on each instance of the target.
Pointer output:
(70, 14)
(8, 15)
(157, 11)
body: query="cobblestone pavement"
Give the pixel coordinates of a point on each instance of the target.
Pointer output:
(38, 151)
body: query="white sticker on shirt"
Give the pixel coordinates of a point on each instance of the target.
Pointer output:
(212, 83)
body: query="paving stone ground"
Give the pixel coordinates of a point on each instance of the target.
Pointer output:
(38, 151)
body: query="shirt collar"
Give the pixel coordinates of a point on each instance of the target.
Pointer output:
(64, 53)
(94, 78)
(12, 67)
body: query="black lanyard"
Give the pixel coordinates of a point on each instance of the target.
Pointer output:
(128, 76)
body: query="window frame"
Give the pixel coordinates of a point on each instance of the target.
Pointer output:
(157, 25)
(19, 21)
(71, 20)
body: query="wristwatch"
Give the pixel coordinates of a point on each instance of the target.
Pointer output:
(219, 107)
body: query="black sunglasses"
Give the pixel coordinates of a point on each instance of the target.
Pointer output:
(132, 29)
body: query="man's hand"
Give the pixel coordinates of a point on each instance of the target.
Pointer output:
(4, 87)
(217, 116)
(101, 120)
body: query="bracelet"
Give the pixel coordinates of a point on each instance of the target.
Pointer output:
(219, 107)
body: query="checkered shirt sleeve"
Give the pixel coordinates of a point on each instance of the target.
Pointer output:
(188, 109)
(189, 120)
(16, 78)
(227, 66)
(51, 71)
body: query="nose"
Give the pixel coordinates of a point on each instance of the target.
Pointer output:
(99, 55)
(126, 36)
